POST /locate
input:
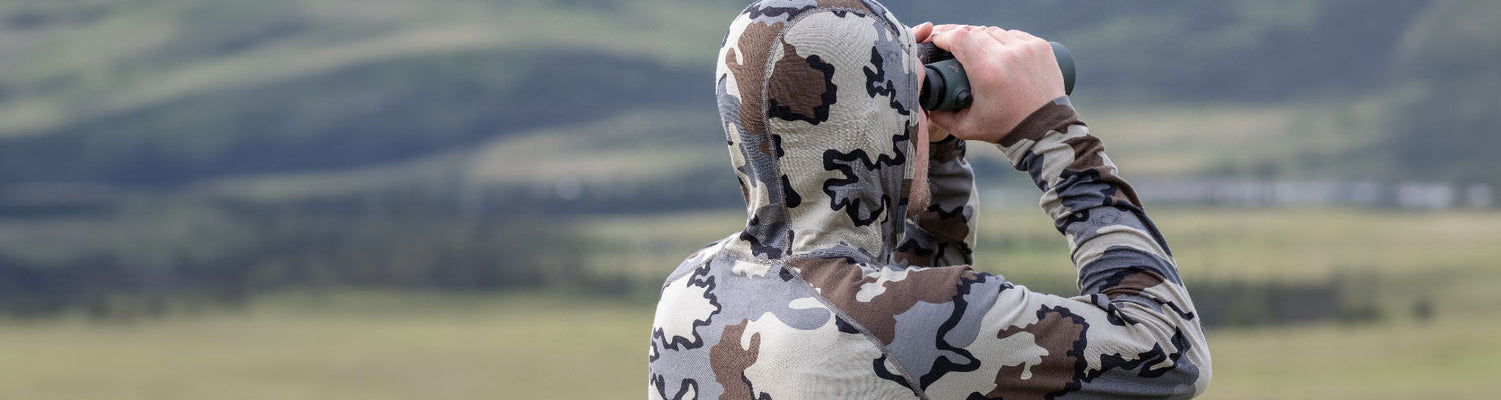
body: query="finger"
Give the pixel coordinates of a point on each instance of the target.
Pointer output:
(1002, 36)
(921, 32)
(935, 132)
(966, 45)
(946, 120)
(1031, 43)
(1023, 35)
(946, 27)
(953, 40)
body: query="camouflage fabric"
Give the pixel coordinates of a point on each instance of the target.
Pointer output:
(830, 292)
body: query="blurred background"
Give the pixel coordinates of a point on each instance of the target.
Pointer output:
(459, 199)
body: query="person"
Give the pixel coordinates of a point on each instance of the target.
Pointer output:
(851, 278)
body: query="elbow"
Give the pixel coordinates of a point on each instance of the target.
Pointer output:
(1206, 373)
(1182, 342)
(1200, 357)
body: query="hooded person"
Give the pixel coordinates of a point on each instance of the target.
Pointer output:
(833, 290)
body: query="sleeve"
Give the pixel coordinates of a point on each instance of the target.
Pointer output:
(1132, 332)
(943, 234)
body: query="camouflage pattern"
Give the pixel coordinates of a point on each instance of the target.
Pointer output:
(831, 292)
(941, 234)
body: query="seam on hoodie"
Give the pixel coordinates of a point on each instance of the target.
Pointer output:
(680, 272)
(776, 164)
(839, 313)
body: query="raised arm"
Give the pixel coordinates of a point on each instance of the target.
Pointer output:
(1133, 330)
(954, 333)
(943, 234)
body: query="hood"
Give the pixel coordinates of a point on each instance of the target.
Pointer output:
(819, 105)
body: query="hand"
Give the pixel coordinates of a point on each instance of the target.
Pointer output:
(1011, 74)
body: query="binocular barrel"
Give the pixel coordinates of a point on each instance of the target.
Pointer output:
(946, 86)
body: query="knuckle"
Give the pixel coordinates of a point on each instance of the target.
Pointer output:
(1030, 49)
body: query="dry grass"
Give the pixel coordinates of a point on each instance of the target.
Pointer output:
(377, 346)
(1451, 358)
(364, 346)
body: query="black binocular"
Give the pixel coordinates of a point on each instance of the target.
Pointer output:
(946, 87)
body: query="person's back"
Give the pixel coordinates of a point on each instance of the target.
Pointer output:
(834, 290)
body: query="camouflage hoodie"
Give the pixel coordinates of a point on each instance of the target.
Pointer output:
(831, 293)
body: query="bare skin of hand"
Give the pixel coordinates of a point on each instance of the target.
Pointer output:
(1011, 74)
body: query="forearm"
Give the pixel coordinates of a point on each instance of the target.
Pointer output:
(1094, 208)
(1125, 267)
(1123, 261)
(944, 233)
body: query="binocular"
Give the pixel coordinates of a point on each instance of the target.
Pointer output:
(946, 87)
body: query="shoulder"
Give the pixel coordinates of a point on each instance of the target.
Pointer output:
(697, 260)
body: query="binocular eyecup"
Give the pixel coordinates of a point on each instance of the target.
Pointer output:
(946, 86)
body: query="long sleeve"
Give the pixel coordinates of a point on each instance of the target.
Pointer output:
(1133, 330)
(943, 234)
(955, 333)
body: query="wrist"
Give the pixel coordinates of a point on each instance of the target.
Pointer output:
(1054, 115)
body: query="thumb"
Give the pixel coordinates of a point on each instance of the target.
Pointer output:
(947, 120)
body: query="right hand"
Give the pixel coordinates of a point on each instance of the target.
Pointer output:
(1011, 74)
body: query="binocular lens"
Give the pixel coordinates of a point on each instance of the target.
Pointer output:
(946, 86)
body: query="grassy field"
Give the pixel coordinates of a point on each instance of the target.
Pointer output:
(1445, 255)
(349, 346)
(549, 345)
(380, 346)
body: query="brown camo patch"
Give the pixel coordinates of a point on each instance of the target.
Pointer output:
(1087, 155)
(851, 4)
(798, 87)
(1132, 284)
(838, 281)
(730, 361)
(1057, 333)
(750, 77)
(951, 229)
(946, 150)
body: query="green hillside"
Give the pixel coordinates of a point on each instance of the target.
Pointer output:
(174, 92)
(227, 147)
(455, 198)
(209, 89)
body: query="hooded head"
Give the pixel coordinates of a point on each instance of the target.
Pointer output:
(818, 101)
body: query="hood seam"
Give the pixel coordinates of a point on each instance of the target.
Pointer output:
(784, 210)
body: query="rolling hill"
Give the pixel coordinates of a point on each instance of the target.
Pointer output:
(221, 147)
(170, 93)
